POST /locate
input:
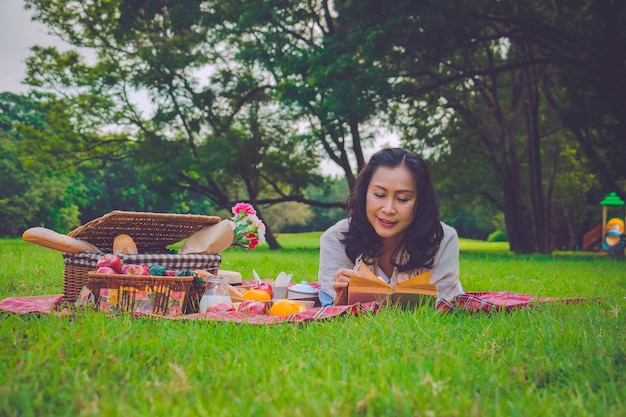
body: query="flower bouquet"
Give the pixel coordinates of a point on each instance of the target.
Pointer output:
(248, 230)
(244, 230)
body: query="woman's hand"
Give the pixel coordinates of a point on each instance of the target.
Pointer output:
(340, 284)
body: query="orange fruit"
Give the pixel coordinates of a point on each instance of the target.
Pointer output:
(286, 307)
(256, 295)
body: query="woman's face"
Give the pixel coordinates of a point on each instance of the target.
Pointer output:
(390, 202)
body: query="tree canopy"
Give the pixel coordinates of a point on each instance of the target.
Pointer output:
(516, 105)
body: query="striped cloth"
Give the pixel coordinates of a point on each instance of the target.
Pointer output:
(45, 304)
(497, 301)
(173, 261)
(319, 313)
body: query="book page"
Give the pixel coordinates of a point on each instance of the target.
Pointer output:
(368, 287)
(367, 274)
(419, 284)
(368, 282)
(363, 285)
(365, 297)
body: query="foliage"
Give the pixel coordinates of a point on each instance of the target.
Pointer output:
(212, 124)
(517, 104)
(44, 188)
(497, 236)
(33, 193)
(473, 223)
(289, 217)
(92, 364)
(489, 119)
(331, 190)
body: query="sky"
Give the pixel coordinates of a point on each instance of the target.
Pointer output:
(17, 34)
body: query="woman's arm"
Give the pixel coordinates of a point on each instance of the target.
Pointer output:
(332, 259)
(445, 273)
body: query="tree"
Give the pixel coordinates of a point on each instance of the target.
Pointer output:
(329, 71)
(32, 194)
(209, 128)
(586, 41)
(316, 54)
(497, 76)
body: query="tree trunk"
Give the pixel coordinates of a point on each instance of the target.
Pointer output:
(271, 239)
(531, 117)
(518, 225)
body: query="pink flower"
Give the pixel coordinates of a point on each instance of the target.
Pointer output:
(248, 229)
(260, 231)
(239, 207)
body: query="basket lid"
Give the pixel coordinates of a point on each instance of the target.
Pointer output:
(151, 232)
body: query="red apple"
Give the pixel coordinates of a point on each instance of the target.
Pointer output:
(221, 306)
(105, 270)
(252, 307)
(265, 286)
(134, 269)
(111, 261)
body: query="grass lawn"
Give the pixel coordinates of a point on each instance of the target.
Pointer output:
(558, 360)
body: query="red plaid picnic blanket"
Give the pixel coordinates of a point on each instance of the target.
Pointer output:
(45, 304)
(497, 301)
(319, 313)
(470, 302)
(51, 304)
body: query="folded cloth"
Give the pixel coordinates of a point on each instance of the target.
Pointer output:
(45, 304)
(496, 301)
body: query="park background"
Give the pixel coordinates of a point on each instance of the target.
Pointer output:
(192, 106)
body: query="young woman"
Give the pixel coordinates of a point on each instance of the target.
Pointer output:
(393, 228)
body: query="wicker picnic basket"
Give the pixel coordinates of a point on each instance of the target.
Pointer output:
(151, 232)
(150, 294)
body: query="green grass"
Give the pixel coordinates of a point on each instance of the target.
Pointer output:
(560, 360)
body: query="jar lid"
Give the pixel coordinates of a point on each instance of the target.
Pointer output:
(304, 288)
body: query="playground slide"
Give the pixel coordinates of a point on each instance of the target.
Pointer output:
(614, 235)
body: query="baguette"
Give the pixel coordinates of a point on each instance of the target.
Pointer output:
(124, 245)
(50, 239)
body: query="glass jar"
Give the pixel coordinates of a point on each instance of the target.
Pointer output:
(216, 291)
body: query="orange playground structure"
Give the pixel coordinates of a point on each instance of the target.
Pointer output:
(611, 231)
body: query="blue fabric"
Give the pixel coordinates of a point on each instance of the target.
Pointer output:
(325, 299)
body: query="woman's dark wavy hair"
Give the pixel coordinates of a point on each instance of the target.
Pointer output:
(423, 236)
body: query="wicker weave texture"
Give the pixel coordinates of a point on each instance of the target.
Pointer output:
(74, 279)
(151, 232)
(128, 286)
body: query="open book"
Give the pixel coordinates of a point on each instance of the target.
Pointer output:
(370, 287)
